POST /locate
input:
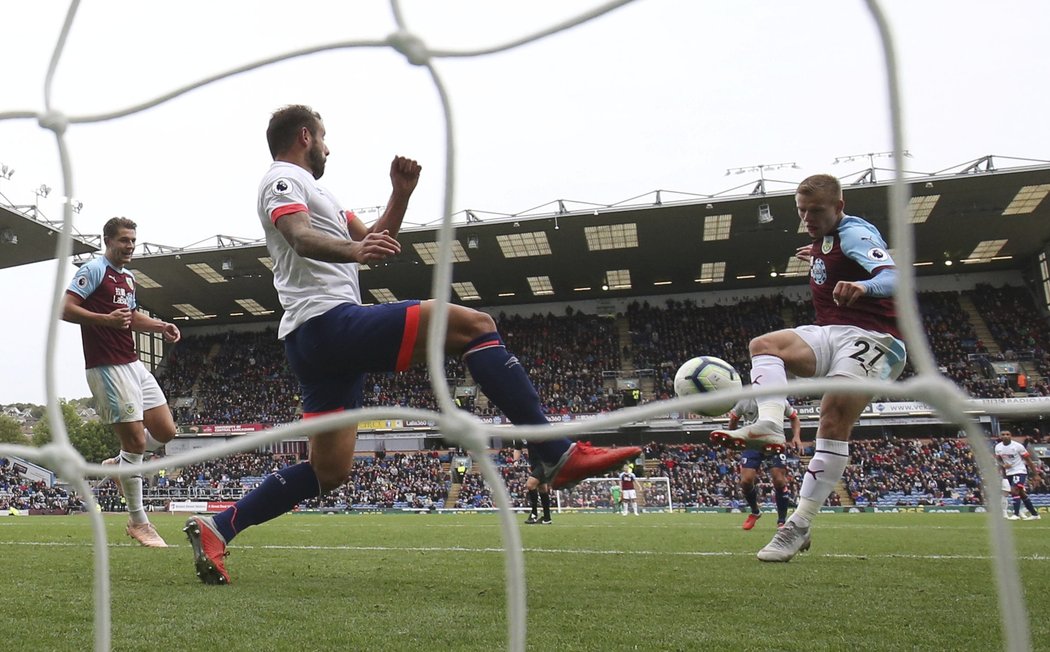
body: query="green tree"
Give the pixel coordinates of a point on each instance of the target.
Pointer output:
(96, 441)
(11, 431)
(42, 429)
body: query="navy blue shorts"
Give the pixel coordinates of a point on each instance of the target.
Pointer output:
(1017, 479)
(331, 353)
(750, 459)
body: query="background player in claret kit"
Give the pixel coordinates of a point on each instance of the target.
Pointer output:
(628, 490)
(852, 280)
(331, 340)
(746, 410)
(101, 299)
(1015, 462)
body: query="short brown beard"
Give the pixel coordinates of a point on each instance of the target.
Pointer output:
(316, 160)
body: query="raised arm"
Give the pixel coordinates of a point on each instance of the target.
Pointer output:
(404, 175)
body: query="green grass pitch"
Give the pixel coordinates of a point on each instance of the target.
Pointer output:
(595, 582)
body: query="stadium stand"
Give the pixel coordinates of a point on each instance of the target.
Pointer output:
(19, 493)
(882, 472)
(242, 377)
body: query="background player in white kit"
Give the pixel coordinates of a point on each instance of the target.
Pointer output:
(1015, 462)
(746, 411)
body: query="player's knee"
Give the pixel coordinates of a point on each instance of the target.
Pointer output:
(834, 426)
(481, 323)
(762, 345)
(331, 475)
(163, 434)
(467, 324)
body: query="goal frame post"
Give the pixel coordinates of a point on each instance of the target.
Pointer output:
(654, 493)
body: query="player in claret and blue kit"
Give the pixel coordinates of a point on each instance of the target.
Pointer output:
(101, 299)
(852, 279)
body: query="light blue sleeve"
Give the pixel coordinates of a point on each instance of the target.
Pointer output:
(883, 284)
(863, 244)
(133, 303)
(87, 279)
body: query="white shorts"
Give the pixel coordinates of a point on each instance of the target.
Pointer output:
(629, 494)
(124, 391)
(854, 352)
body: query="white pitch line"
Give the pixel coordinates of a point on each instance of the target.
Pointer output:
(554, 551)
(722, 526)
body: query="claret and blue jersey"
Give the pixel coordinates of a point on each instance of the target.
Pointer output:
(855, 251)
(104, 289)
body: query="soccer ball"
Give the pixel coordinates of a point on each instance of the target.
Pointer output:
(706, 374)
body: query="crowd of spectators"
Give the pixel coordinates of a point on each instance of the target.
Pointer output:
(1013, 320)
(22, 494)
(236, 377)
(911, 472)
(1020, 330)
(410, 388)
(242, 377)
(883, 472)
(565, 356)
(662, 338)
(959, 353)
(415, 480)
(916, 472)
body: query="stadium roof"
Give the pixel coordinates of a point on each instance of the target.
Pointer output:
(25, 238)
(980, 219)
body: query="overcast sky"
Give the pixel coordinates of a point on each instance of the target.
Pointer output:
(657, 94)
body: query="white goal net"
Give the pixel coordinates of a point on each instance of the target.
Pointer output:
(654, 495)
(459, 427)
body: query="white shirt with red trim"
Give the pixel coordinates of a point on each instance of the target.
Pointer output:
(1012, 456)
(746, 409)
(306, 287)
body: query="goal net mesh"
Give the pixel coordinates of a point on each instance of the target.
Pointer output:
(459, 427)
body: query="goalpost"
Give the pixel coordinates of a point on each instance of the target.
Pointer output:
(654, 495)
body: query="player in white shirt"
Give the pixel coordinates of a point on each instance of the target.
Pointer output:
(1015, 462)
(746, 411)
(331, 340)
